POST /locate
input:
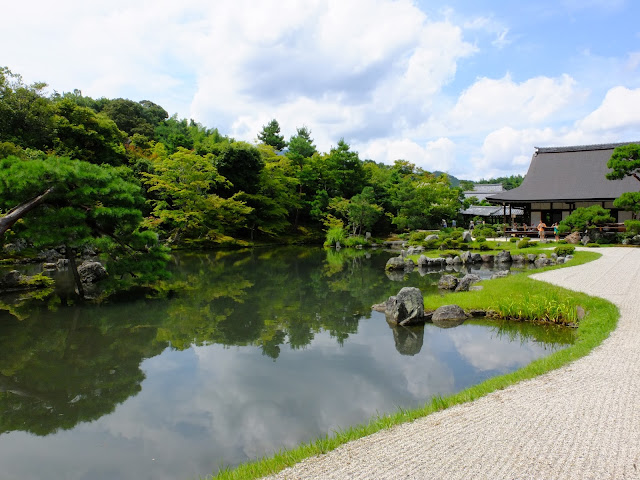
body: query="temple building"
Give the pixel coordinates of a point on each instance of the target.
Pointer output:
(561, 179)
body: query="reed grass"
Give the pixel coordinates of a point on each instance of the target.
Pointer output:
(600, 319)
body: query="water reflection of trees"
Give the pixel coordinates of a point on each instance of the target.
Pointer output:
(64, 364)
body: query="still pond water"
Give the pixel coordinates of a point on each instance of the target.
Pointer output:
(269, 348)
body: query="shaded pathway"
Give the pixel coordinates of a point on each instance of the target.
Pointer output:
(581, 421)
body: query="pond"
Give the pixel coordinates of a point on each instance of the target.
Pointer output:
(267, 348)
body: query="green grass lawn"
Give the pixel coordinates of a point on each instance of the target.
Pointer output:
(601, 318)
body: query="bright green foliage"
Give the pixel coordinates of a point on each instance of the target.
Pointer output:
(87, 136)
(346, 174)
(424, 202)
(563, 250)
(524, 243)
(335, 235)
(184, 206)
(629, 201)
(633, 227)
(301, 146)
(270, 135)
(174, 133)
(586, 217)
(624, 161)
(362, 212)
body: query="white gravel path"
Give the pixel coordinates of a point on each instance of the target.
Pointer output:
(581, 421)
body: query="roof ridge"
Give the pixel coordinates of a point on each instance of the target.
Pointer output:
(581, 148)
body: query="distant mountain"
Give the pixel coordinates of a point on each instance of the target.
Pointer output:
(455, 182)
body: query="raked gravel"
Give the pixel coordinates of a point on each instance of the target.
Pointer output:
(581, 421)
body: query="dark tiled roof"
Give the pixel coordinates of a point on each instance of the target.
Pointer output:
(567, 174)
(489, 211)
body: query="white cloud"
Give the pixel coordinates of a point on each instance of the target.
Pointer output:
(490, 102)
(619, 112)
(435, 155)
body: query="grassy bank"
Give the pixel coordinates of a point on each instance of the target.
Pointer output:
(600, 320)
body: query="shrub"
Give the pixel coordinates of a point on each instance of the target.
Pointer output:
(593, 245)
(524, 243)
(481, 239)
(353, 241)
(585, 217)
(513, 239)
(431, 244)
(633, 227)
(484, 231)
(564, 250)
(417, 236)
(456, 234)
(334, 234)
(484, 247)
(449, 253)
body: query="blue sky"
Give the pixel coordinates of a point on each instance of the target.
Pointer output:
(468, 87)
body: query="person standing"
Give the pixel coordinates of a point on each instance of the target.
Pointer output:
(555, 231)
(541, 227)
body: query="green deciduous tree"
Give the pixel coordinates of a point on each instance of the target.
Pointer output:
(185, 206)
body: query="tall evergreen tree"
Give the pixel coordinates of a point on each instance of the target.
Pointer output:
(270, 135)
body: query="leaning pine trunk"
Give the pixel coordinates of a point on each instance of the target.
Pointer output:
(71, 256)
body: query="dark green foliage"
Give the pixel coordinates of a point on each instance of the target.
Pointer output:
(508, 183)
(135, 117)
(624, 161)
(241, 164)
(85, 204)
(586, 217)
(629, 201)
(564, 250)
(174, 133)
(270, 135)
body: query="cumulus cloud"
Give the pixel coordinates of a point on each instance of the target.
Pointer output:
(495, 102)
(619, 113)
(434, 155)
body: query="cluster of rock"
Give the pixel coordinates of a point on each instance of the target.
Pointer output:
(14, 281)
(407, 308)
(504, 257)
(450, 282)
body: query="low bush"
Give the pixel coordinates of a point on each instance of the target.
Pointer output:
(593, 245)
(524, 243)
(513, 239)
(354, 241)
(564, 250)
(417, 236)
(483, 247)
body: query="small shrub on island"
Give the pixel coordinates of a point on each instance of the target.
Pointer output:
(564, 250)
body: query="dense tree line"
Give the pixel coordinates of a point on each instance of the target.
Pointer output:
(187, 184)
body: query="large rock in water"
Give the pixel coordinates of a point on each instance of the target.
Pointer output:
(395, 263)
(91, 272)
(503, 257)
(406, 308)
(449, 316)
